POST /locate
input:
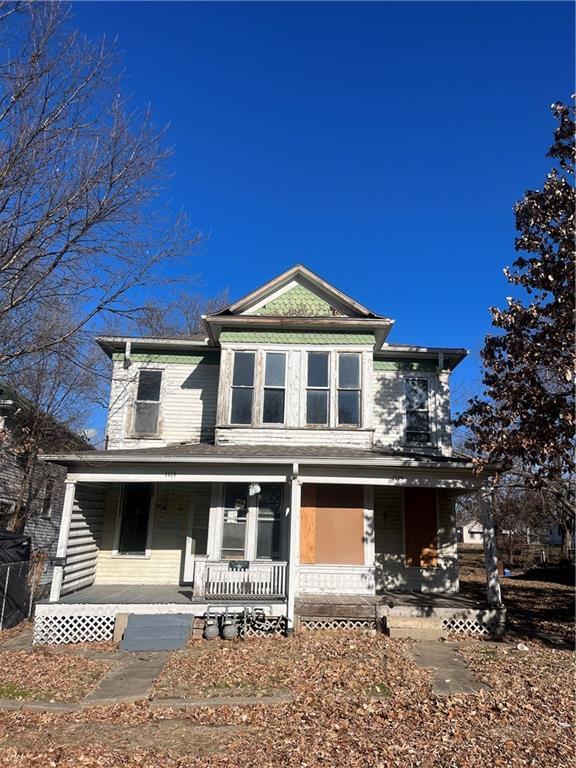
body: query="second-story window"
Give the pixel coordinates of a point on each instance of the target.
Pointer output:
(242, 388)
(318, 388)
(147, 407)
(418, 411)
(274, 388)
(348, 389)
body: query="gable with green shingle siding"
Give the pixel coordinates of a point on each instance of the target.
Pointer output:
(193, 358)
(425, 366)
(296, 337)
(297, 302)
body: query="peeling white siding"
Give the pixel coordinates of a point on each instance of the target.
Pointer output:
(391, 571)
(169, 529)
(84, 537)
(187, 408)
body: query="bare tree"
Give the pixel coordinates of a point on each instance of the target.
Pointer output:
(81, 225)
(180, 317)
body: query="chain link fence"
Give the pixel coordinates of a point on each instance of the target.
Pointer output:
(16, 592)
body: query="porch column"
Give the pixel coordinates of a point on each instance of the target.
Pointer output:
(490, 555)
(58, 570)
(294, 546)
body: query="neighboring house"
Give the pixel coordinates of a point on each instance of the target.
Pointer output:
(471, 534)
(290, 451)
(34, 487)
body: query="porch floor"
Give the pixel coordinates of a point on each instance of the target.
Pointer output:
(136, 594)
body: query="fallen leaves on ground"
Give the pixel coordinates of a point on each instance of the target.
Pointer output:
(524, 720)
(532, 606)
(302, 665)
(42, 674)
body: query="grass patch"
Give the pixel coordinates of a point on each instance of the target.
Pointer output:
(382, 691)
(9, 691)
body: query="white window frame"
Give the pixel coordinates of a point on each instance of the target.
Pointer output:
(349, 389)
(118, 526)
(329, 389)
(251, 531)
(431, 411)
(257, 521)
(254, 386)
(49, 488)
(284, 388)
(156, 434)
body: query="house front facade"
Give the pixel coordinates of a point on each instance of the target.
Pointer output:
(291, 451)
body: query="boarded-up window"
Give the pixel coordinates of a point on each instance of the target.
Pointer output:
(421, 527)
(332, 524)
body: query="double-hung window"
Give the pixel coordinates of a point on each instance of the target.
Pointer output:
(147, 407)
(418, 411)
(242, 388)
(234, 525)
(318, 389)
(349, 389)
(274, 388)
(269, 522)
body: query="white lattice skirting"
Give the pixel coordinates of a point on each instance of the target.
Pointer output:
(55, 629)
(472, 626)
(328, 623)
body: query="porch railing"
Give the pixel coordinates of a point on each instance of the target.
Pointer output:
(243, 579)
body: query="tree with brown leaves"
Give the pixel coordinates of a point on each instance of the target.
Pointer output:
(525, 418)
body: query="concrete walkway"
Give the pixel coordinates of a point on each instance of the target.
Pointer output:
(450, 673)
(131, 679)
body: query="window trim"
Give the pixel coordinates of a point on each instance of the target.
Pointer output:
(47, 509)
(284, 388)
(357, 389)
(254, 353)
(118, 527)
(328, 389)
(247, 525)
(278, 557)
(160, 400)
(430, 382)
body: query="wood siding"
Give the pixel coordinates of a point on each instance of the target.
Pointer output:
(84, 537)
(169, 530)
(392, 572)
(187, 408)
(195, 404)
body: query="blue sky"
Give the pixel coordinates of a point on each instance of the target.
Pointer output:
(381, 144)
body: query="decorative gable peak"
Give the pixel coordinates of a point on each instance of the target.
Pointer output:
(298, 293)
(298, 300)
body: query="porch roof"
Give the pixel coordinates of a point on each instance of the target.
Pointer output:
(205, 453)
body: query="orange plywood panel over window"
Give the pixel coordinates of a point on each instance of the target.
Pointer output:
(332, 524)
(421, 527)
(308, 524)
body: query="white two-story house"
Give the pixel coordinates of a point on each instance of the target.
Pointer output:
(288, 453)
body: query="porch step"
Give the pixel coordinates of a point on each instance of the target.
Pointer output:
(156, 632)
(414, 627)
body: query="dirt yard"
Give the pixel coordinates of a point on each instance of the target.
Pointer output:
(534, 605)
(357, 701)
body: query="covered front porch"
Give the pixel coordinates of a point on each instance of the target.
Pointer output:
(215, 532)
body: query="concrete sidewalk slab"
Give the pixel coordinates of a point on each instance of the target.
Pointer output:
(450, 674)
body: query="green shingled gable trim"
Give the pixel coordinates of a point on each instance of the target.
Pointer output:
(297, 302)
(209, 358)
(405, 365)
(296, 337)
